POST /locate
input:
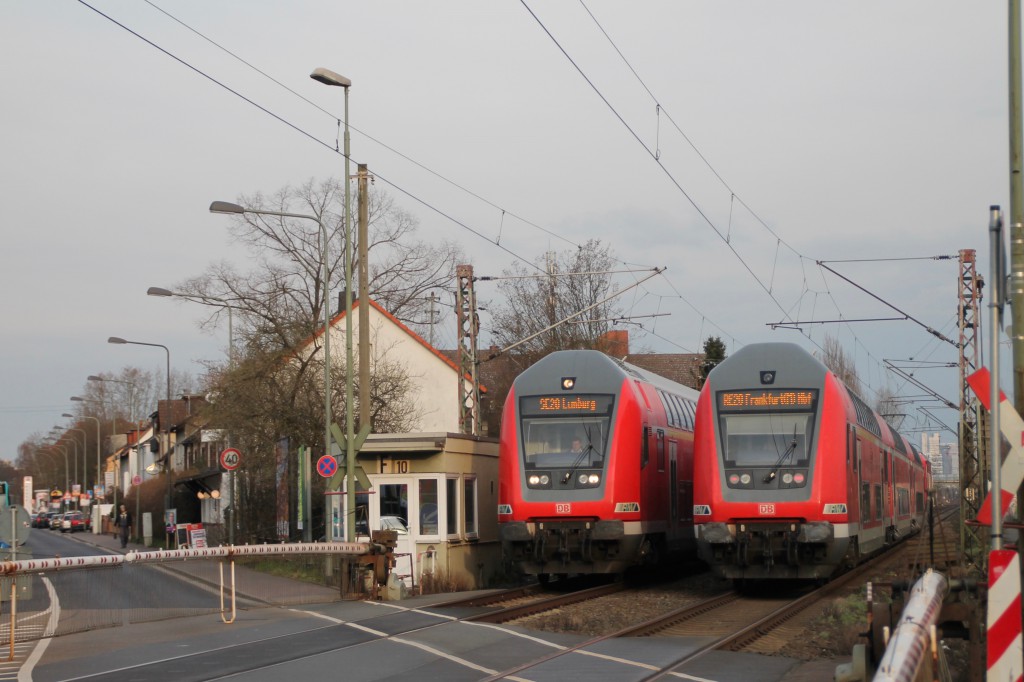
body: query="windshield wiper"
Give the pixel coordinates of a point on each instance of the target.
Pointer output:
(578, 461)
(770, 476)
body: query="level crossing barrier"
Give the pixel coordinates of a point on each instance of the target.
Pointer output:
(42, 598)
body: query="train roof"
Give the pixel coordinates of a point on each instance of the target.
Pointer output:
(792, 365)
(783, 360)
(593, 371)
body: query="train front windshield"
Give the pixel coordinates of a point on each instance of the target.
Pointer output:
(766, 428)
(560, 432)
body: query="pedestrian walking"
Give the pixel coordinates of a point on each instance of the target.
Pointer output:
(123, 523)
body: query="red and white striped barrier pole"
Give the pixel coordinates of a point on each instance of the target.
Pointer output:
(1004, 651)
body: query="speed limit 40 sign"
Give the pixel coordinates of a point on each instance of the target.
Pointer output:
(230, 458)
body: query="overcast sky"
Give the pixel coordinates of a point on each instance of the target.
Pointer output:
(735, 144)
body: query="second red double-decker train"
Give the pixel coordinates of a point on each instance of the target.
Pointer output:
(596, 462)
(795, 475)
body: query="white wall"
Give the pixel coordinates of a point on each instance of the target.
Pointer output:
(435, 396)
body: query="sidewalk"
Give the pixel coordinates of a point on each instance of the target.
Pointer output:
(249, 583)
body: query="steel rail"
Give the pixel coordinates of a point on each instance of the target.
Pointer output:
(548, 604)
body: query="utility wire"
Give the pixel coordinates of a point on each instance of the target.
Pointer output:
(335, 149)
(654, 156)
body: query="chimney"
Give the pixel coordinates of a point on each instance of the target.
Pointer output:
(615, 343)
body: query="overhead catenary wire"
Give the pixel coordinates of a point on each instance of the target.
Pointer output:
(496, 242)
(377, 173)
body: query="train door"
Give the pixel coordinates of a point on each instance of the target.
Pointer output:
(673, 485)
(865, 486)
(852, 475)
(889, 486)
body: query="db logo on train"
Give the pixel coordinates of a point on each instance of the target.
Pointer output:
(563, 508)
(766, 509)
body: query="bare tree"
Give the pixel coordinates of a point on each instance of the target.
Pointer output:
(281, 297)
(889, 407)
(274, 387)
(835, 358)
(563, 284)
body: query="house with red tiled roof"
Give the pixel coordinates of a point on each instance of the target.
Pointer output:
(431, 401)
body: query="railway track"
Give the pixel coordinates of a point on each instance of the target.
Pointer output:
(527, 601)
(731, 621)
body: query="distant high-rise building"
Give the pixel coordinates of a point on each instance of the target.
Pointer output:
(931, 446)
(950, 460)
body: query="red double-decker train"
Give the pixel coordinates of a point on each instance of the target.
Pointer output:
(596, 463)
(795, 475)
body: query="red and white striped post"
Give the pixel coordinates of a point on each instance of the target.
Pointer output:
(1004, 651)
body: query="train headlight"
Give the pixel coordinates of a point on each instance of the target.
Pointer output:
(538, 481)
(582, 478)
(745, 479)
(593, 479)
(787, 478)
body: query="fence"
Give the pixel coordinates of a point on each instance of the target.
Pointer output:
(52, 597)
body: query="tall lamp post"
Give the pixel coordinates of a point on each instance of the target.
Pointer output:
(85, 452)
(167, 293)
(235, 209)
(328, 77)
(96, 482)
(113, 432)
(57, 434)
(67, 477)
(53, 464)
(131, 392)
(167, 447)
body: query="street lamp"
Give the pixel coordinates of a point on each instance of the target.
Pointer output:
(328, 77)
(235, 209)
(53, 464)
(85, 450)
(56, 432)
(167, 293)
(160, 291)
(67, 477)
(113, 432)
(131, 392)
(167, 445)
(96, 483)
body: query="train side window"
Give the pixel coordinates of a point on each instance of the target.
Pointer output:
(688, 410)
(644, 447)
(865, 502)
(669, 402)
(878, 502)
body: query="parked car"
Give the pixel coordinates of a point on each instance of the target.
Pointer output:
(41, 520)
(73, 521)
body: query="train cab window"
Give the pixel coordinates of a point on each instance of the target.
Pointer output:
(766, 439)
(559, 442)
